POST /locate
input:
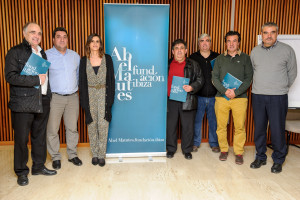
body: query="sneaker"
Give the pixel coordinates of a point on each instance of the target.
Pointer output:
(216, 149)
(223, 156)
(239, 159)
(195, 148)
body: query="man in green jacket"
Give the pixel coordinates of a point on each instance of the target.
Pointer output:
(238, 64)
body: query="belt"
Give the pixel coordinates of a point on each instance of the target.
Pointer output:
(64, 94)
(97, 86)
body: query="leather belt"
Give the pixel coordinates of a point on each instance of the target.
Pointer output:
(97, 86)
(64, 94)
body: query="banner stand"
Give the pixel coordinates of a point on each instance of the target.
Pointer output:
(150, 159)
(136, 37)
(131, 155)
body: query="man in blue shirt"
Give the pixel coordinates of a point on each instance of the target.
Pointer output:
(63, 77)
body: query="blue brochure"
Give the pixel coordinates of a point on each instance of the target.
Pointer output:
(177, 92)
(212, 62)
(230, 82)
(35, 65)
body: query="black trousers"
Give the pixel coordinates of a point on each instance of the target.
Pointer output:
(22, 124)
(187, 119)
(272, 108)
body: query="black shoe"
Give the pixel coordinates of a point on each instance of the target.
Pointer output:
(75, 161)
(170, 154)
(276, 168)
(257, 163)
(95, 161)
(101, 162)
(22, 180)
(43, 171)
(188, 156)
(56, 164)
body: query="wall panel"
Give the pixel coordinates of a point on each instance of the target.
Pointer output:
(188, 19)
(249, 17)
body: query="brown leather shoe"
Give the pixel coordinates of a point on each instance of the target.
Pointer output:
(216, 149)
(195, 148)
(239, 159)
(223, 156)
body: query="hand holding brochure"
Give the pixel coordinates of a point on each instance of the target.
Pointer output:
(35, 65)
(177, 92)
(230, 82)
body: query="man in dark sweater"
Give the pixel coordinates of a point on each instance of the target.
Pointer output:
(206, 96)
(238, 64)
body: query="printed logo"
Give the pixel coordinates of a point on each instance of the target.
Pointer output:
(129, 76)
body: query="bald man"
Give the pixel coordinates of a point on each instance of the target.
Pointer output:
(29, 104)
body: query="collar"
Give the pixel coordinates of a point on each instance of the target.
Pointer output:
(268, 48)
(38, 51)
(210, 52)
(238, 52)
(26, 43)
(58, 52)
(175, 61)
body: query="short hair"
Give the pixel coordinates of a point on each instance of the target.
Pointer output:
(178, 41)
(230, 33)
(88, 42)
(27, 24)
(269, 24)
(59, 29)
(203, 35)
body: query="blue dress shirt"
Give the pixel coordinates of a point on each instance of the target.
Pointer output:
(63, 71)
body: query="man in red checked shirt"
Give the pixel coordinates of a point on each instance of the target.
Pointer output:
(185, 111)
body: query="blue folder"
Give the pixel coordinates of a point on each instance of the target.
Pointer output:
(230, 82)
(35, 65)
(212, 63)
(177, 92)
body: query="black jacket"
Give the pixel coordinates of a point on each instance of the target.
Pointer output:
(194, 73)
(84, 92)
(24, 97)
(208, 89)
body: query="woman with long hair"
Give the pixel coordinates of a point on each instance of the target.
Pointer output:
(97, 91)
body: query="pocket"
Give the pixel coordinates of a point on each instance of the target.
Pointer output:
(21, 63)
(24, 92)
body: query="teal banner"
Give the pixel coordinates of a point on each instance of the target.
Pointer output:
(136, 36)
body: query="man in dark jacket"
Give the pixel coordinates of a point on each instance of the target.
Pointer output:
(30, 104)
(186, 111)
(206, 96)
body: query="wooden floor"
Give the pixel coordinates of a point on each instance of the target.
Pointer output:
(203, 177)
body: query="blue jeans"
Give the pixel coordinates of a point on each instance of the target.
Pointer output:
(206, 105)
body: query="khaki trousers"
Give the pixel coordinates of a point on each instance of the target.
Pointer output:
(238, 106)
(68, 107)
